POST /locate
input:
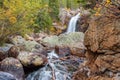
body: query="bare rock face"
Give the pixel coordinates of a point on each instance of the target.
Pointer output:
(102, 41)
(105, 37)
(13, 66)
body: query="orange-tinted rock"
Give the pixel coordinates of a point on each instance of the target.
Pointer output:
(78, 52)
(99, 78)
(102, 40)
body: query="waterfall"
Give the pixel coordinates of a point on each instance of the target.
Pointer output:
(57, 69)
(72, 23)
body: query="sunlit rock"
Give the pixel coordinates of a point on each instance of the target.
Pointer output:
(30, 59)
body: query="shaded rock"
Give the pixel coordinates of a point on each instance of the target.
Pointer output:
(13, 66)
(30, 59)
(13, 52)
(83, 24)
(4, 51)
(6, 76)
(65, 16)
(3, 55)
(62, 51)
(6, 47)
(64, 40)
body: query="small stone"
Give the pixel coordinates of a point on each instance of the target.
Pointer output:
(13, 52)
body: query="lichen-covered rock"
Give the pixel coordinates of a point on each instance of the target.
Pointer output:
(64, 39)
(72, 41)
(17, 40)
(32, 45)
(30, 59)
(27, 45)
(13, 66)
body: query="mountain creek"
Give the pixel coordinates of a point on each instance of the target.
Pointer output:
(88, 49)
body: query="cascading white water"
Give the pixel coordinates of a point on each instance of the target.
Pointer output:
(53, 70)
(56, 69)
(72, 23)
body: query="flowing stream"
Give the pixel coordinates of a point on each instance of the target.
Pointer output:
(57, 69)
(73, 23)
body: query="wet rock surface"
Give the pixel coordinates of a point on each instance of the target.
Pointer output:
(56, 68)
(6, 76)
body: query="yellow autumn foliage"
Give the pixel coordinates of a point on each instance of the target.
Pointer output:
(13, 20)
(17, 16)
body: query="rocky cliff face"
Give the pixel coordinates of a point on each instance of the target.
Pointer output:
(102, 40)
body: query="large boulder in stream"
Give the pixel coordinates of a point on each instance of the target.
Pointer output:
(31, 60)
(72, 41)
(14, 67)
(27, 45)
(102, 40)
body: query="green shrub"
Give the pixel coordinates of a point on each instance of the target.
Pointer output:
(54, 9)
(16, 17)
(43, 20)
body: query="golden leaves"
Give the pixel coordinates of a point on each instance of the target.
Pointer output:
(12, 20)
(98, 11)
(108, 2)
